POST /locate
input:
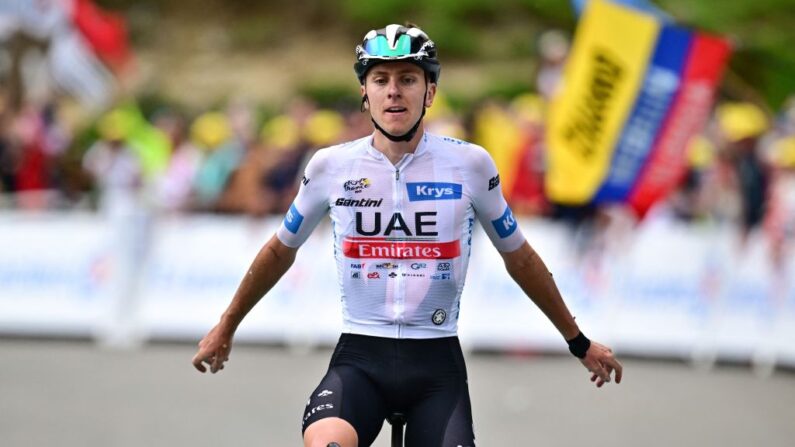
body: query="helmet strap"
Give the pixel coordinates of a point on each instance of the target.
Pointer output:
(408, 135)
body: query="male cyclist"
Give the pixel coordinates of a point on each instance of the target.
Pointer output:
(403, 204)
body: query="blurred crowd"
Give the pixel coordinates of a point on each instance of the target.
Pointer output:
(741, 169)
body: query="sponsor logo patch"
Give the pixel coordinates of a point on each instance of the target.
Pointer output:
(386, 266)
(433, 191)
(363, 203)
(373, 275)
(418, 265)
(317, 409)
(439, 276)
(506, 224)
(439, 316)
(494, 182)
(293, 219)
(424, 224)
(356, 275)
(454, 141)
(393, 275)
(382, 248)
(444, 267)
(357, 186)
(358, 266)
(325, 393)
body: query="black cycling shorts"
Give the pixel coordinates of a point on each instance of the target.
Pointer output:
(370, 378)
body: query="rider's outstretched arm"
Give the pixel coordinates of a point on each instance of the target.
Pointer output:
(531, 274)
(270, 264)
(272, 261)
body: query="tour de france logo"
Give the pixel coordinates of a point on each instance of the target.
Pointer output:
(357, 186)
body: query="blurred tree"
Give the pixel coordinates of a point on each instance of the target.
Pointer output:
(762, 28)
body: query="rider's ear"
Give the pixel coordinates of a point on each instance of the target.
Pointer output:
(430, 94)
(365, 103)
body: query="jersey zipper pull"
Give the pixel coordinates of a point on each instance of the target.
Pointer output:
(397, 174)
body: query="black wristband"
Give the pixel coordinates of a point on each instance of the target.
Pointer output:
(579, 345)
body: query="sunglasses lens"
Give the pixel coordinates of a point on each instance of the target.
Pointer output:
(379, 47)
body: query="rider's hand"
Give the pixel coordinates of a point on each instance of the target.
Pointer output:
(602, 363)
(214, 350)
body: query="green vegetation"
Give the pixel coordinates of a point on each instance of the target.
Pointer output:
(486, 30)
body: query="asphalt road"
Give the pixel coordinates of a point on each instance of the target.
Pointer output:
(76, 394)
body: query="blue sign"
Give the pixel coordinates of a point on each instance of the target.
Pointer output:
(433, 191)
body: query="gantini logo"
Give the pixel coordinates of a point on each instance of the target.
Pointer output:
(374, 203)
(433, 191)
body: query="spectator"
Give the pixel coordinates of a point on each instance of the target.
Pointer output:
(174, 188)
(553, 48)
(741, 125)
(223, 155)
(284, 148)
(116, 171)
(688, 202)
(527, 192)
(780, 220)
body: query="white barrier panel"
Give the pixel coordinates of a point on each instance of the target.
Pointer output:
(197, 263)
(56, 273)
(660, 290)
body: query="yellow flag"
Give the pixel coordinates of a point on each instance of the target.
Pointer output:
(602, 78)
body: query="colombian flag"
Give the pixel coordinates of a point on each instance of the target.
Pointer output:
(636, 89)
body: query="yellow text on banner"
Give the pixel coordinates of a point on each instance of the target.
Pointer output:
(602, 78)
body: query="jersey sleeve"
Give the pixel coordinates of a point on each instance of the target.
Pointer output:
(310, 204)
(490, 206)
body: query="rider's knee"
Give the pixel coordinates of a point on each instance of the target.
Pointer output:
(330, 432)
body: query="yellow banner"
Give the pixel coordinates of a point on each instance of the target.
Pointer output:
(602, 78)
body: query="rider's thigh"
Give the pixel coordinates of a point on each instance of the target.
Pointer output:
(442, 419)
(347, 394)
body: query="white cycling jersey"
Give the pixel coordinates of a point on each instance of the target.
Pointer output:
(402, 232)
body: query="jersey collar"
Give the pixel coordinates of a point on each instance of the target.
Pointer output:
(421, 148)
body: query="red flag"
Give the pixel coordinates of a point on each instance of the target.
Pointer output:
(106, 32)
(667, 164)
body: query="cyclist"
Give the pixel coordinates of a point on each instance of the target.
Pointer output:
(402, 203)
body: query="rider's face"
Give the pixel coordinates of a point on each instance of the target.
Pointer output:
(396, 92)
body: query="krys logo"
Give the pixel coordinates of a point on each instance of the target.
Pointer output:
(293, 219)
(506, 224)
(433, 191)
(357, 185)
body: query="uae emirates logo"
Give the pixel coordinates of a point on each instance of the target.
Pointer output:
(382, 248)
(439, 316)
